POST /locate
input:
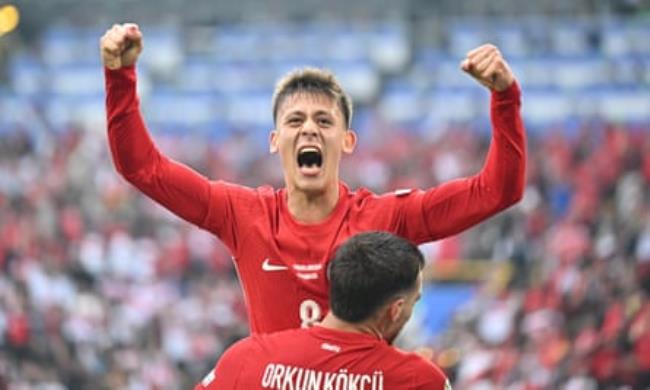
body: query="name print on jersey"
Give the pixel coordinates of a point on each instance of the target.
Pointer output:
(307, 271)
(285, 377)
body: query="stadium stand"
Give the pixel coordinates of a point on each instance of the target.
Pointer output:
(100, 288)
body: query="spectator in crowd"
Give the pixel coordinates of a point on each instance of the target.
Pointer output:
(87, 294)
(101, 289)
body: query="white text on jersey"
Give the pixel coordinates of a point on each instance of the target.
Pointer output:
(285, 377)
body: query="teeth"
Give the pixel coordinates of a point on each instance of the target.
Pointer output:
(309, 149)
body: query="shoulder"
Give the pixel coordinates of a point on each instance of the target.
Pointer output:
(425, 374)
(365, 197)
(240, 188)
(229, 367)
(273, 345)
(288, 335)
(423, 366)
(259, 344)
(363, 193)
(237, 193)
(241, 348)
(373, 211)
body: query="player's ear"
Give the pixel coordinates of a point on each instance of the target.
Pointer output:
(349, 141)
(395, 309)
(273, 141)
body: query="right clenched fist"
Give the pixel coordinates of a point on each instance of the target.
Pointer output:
(121, 45)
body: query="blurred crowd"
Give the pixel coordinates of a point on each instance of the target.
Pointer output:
(576, 314)
(101, 288)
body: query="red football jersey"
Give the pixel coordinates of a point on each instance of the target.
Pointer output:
(281, 262)
(320, 358)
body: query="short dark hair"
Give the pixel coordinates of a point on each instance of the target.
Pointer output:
(316, 81)
(368, 270)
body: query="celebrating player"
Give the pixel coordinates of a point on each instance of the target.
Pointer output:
(375, 279)
(281, 240)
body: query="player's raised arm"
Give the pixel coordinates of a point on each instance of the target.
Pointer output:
(502, 178)
(175, 186)
(457, 205)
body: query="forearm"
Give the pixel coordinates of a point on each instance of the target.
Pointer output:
(505, 167)
(500, 183)
(459, 204)
(136, 158)
(131, 146)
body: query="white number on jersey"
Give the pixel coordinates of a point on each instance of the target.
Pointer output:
(310, 313)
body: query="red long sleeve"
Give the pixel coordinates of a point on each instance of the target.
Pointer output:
(177, 187)
(459, 204)
(506, 160)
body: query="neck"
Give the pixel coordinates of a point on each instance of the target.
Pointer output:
(333, 322)
(312, 208)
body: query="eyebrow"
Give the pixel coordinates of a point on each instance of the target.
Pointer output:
(302, 113)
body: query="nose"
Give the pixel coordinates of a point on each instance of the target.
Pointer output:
(308, 129)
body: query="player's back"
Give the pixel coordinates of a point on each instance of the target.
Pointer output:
(321, 358)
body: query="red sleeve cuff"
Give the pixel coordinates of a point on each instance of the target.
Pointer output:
(513, 92)
(124, 76)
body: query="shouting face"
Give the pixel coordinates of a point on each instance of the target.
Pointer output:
(311, 135)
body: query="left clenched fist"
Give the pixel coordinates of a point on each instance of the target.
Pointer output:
(487, 66)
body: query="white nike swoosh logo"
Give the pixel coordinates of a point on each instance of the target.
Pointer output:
(267, 266)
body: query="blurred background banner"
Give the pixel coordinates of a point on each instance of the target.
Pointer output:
(101, 288)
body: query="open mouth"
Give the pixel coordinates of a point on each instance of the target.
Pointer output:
(310, 160)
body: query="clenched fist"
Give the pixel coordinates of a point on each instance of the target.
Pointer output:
(487, 66)
(121, 45)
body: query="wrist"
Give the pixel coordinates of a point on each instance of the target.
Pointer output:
(509, 91)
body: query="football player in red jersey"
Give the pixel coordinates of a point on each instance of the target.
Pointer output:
(375, 280)
(282, 239)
